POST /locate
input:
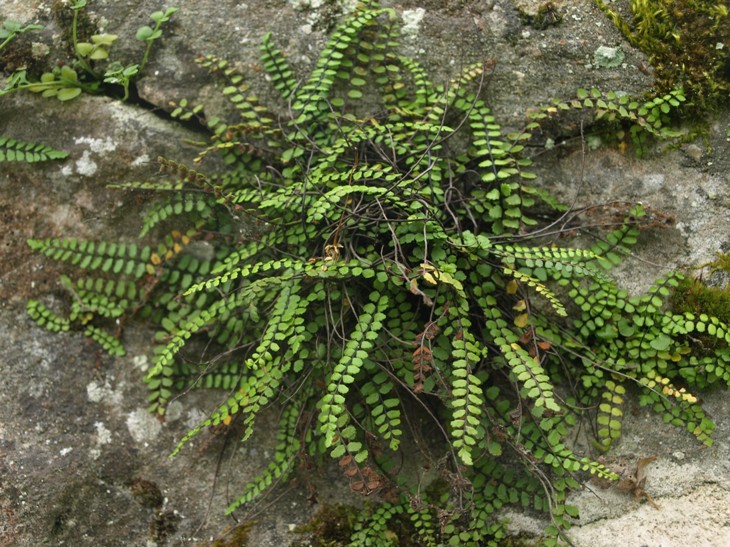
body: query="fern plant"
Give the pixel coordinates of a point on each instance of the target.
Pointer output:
(388, 277)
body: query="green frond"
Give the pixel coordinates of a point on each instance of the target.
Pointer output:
(176, 205)
(372, 528)
(228, 376)
(384, 408)
(466, 391)
(332, 414)
(677, 405)
(239, 255)
(112, 258)
(423, 521)
(108, 298)
(290, 266)
(309, 97)
(108, 342)
(615, 245)
(560, 261)
(540, 288)
(610, 415)
(183, 110)
(650, 117)
(15, 150)
(330, 202)
(277, 67)
(217, 65)
(282, 462)
(46, 318)
(152, 185)
(532, 377)
(422, 86)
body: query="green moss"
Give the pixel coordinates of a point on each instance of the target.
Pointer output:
(235, 537)
(722, 263)
(694, 296)
(330, 526)
(547, 15)
(17, 55)
(686, 44)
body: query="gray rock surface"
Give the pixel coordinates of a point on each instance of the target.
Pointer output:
(81, 463)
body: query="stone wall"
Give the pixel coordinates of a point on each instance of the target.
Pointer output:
(82, 463)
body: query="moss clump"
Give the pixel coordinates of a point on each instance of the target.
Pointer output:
(547, 15)
(331, 525)
(694, 296)
(235, 537)
(686, 44)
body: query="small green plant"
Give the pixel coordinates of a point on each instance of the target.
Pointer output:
(122, 75)
(68, 81)
(149, 35)
(10, 29)
(390, 278)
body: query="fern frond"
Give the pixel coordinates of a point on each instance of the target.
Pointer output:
(200, 319)
(239, 255)
(540, 288)
(282, 461)
(266, 362)
(651, 117)
(113, 258)
(533, 378)
(185, 174)
(618, 243)
(152, 185)
(371, 528)
(46, 318)
(228, 376)
(423, 521)
(28, 152)
(277, 67)
(332, 413)
(184, 110)
(108, 342)
(560, 261)
(331, 200)
(610, 415)
(466, 392)
(176, 205)
(308, 97)
(421, 84)
(105, 297)
(385, 413)
(242, 272)
(678, 406)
